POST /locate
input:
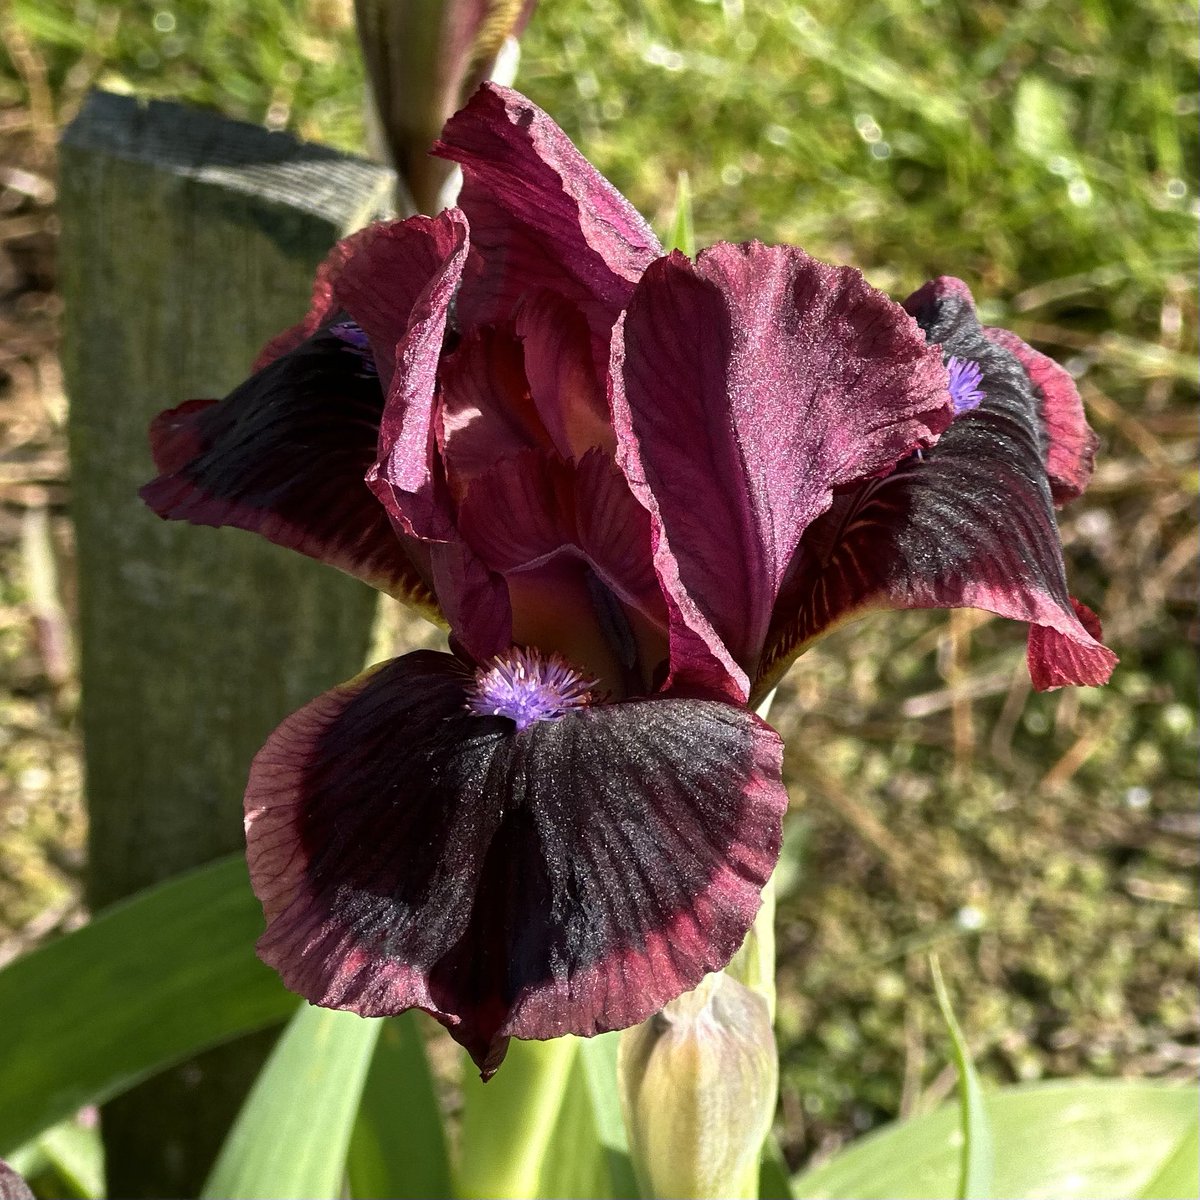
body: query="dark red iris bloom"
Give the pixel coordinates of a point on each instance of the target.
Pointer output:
(634, 487)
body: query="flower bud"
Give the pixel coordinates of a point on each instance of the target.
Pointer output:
(698, 1084)
(424, 58)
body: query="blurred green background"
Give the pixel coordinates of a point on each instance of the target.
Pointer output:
(1046, 153)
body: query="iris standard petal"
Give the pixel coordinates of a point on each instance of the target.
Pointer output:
(406, 478)
(572, 877)
(745, 389)
(284, 456)
(566, 390)
(376, 276)
(473, 597)
(968, 523)
(487, 412)
(541, 215)
(574, 547)
(529, 384)
(531, 507)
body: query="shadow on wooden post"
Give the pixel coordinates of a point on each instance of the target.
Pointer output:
(187, 240)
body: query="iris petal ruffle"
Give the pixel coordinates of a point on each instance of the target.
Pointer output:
(969, 523)
(407, 476)
(405, 253)
(1069, 446)
(541, 216)
(571, 878)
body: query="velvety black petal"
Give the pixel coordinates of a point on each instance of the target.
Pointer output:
(1070, 453)
(569, 878)
(285, 455)
(967, 523)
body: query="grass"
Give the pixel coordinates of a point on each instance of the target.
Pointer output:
(1047, 155)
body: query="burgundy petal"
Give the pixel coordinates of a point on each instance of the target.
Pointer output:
(284, 455)
(570, 878)
(393, 278)
(474, 599)
(528, 508)
(575, 548)
(1058, 659)
(405, 477)
(969, 523)
(562, 375)
(541, 215)
(1068, 442)
(487, 412)
(746, 388)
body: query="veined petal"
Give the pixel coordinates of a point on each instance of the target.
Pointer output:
(745, 389)
(969, 523)
(562, 376)
(575, 547)
(284, 456)
(487, 413)
(541, 215)
(528, 508)
(406, 477)
(569, 878)
(473, 597)
(1068, 442)
(393, 277)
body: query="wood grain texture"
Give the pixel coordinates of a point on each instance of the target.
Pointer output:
(187, 240)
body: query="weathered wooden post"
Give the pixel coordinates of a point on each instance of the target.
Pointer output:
(187, 240)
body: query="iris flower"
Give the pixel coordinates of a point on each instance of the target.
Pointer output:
(634, 487)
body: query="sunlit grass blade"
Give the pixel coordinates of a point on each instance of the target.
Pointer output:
(290, 1140)
(682, 235)
(508, 1123)
(1179, 1176)
(598, 1061)
(149, 982)
(773, 1180)
(398, 1148)
(66, 1160)
(977, 1169)
(578, 1163)
(77, 1155)
(1074, 1139)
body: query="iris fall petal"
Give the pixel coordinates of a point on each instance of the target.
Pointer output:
(284, 456)
(570, 878)
(968, 523)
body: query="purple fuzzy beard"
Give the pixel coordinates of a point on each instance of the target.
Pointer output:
(965, 378)
(528, 686)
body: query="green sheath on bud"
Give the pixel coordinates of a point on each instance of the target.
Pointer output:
(698, 1084)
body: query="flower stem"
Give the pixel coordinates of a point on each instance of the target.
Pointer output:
(508, 1122)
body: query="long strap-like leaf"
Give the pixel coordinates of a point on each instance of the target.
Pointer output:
(146, 984)
(290, 1139)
